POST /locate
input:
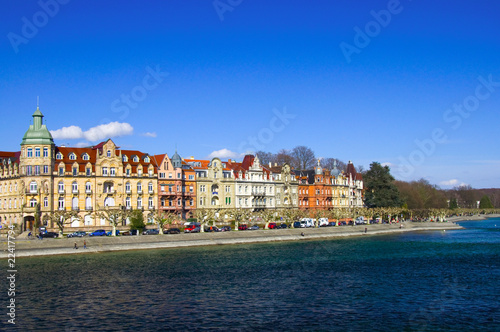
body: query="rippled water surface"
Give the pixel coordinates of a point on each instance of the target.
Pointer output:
(422, 281)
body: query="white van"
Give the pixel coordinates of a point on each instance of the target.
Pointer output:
(307, 222)
(323, 222)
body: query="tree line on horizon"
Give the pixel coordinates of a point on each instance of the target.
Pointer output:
(382, 190)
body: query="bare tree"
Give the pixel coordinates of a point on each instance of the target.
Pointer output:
(114, 216)
(62, 218)
(329, 163)
(163, 218)
(265, 157)
(284, 156)
(304, 157)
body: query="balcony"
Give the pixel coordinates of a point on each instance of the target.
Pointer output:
(31, 192)
(88, 208)
(75, 191)
(61, 191)
(61, 208)
(256, 193)
(128, 191)
(88, 191)
(75, 208)
(151, 191)
(215, 193)
(109, 191)
(139, 191)
(152, 207)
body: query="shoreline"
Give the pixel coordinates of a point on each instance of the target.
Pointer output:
(65, 246)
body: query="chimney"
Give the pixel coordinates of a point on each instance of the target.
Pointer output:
(192, 157)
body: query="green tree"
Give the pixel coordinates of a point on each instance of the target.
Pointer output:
(485, 203)
(62, 218)
(453, 203)
(380, 188)
(137, 221)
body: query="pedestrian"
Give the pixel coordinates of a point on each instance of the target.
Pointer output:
(84, 244)
(366, 229)
(76, 247)
(302, 233)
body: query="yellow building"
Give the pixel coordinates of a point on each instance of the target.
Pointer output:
(43, 178)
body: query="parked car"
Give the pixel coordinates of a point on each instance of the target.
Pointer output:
(49, 234)
(172, 231)
(153, 231)
(242, 227)
(283, 225)
(331, 223)
(189, 227)
(195, 230)
(253, 228)
(212, 229)
(77, 234)
(99, 232)
(297, 224)
(111, 232)
(323, 222)
(131, 232)
(273, 225)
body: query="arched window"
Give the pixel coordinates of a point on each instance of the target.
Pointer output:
(127, 187)
(74, 187)
(139, 187)
(85, 157)
(72, 156)
(88, 203)
(33, 187)
(151, 203)
(108, 153)
(88, 187)
(32, 203)
(127, 203)
(150, 187)
(139, 202)
(59, 155)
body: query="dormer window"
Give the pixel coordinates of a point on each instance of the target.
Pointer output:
(124, 159)
(146, 159)
(72, 156)
(59, 155)
(85, 157)
(108, 153)
(136, 159)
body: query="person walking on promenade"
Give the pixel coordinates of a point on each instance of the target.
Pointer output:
(366, 229)
(75, 247)
(84, 244)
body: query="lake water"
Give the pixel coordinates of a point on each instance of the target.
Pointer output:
(421, 281)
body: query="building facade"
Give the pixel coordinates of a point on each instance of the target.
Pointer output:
(46, 178)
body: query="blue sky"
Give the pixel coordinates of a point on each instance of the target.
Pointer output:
(227, 77)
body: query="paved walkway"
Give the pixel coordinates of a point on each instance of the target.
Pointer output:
(25, 247)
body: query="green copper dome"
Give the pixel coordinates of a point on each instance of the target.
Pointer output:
(37, 132)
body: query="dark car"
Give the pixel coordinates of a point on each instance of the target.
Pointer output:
(77, 234)
(212, 229)
(49, 234)
(253, 228)
(273, 225)
(225, 229)
(283, 226)
(99, 232)
(153, 231)
(242, 227)
(111, 232)
(131, 232)
(331, 223)
(296, 224)
(172, 231)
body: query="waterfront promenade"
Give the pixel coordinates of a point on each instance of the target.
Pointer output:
(27, 248)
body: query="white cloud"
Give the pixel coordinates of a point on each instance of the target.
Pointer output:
(71, 132)
(149, 134)
(224, 154)
(97, 133)
(391, 165)
(452, 182)
(82, 144)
